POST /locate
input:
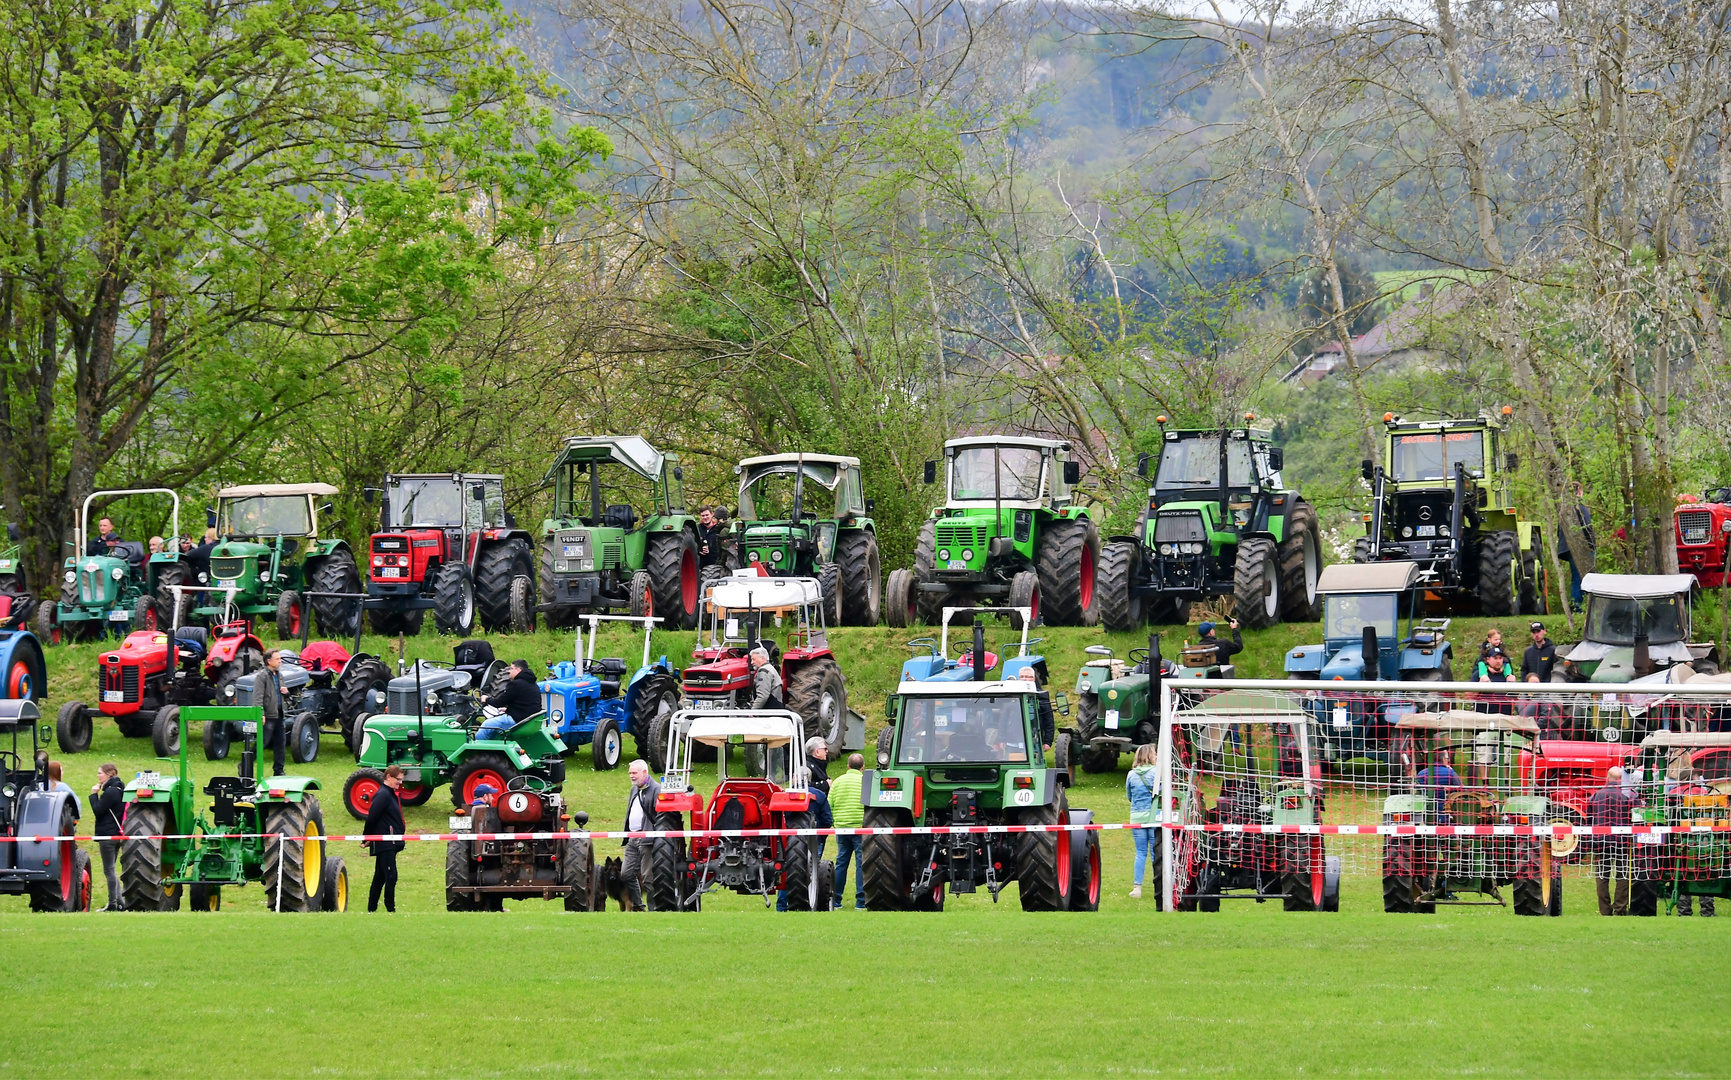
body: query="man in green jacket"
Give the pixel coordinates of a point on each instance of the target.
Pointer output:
(849, 812)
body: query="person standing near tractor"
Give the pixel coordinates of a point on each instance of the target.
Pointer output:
(269, 693)
(710, 548)
(766, 689)
(107, 800)
(847, 810)
(639, 816)
(1223, 650)
(385, 818)
(1610, 805)
(817, 784)
(1541, 655)
(1584, 522)
(1139, 786)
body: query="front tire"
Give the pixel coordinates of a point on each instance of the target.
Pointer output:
(1497, 588)
(1256, 584)
(607, 746)
(454, 600)
(304, 738)
(165, 732)
(1120, 606)
(289, 613)
(1067, 557)
(666, 867)
(900, 599)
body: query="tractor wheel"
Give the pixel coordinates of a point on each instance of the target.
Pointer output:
(391, 623)
(1643, 899)
(454, 600)
(672, 564)
(165, 732)
(202, 897)
(1534, 598)
(61, 894)
(246, 659)
(1208, 885)
(886, 741)
(883, 877)
(1300, 565)
(44, 623)
(1400, 896)
(796, 864)
(1067, 556)
(359, 790)
(174, 574)
(295, 856)
(459, 875)
(289, 614)
(144, 614)
(1555, 908)
(1529, 896)
(304, 738)
(1084, 869)
(478, 769)
(641, 593)
(708, 576)
(1295, 888)
(1256, 584)
(1043, 858)
(1361, 549)
(141, 886)
(1105, 758)
(73, 728)
(577, 873)
(900, 599)
(829, 587)
(657, 701)
(336, 573)
(559, 618)
(415, 794)
(929, 606)
(1497, 587)
(81, 882)
(862, 577)
(497, 567)
(818, 693)
(359, 680)
(606, 746)
(522, 619)
(335, 894)
(132, 726)
(217, 737)
(1024, 593)
(666, 867)
(1120, 606)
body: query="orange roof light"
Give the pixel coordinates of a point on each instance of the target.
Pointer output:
(1159, 419)
(1249, 416)
(1388, 418)
(1507, 410)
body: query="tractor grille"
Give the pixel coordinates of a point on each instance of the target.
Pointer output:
(612, 554)
(93, 586)
(123, 678)
(966, 536)
(227, 567)
(401, 702)
(1696, 526)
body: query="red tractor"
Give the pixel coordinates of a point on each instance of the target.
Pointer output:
(445, 543)
(1703, 536)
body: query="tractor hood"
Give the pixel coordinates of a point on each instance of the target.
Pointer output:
(245, 688)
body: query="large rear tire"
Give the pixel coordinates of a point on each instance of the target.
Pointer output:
(459, 875)
(358, 681)
(1043, 859)
(1529, 896)
(496, 569)
(900, 599)
(928, 606)
(1497, 588)
(856, 553)
(1024, 593)
(297, 863)
(1120, 606)
(883, 875)
(798, 864)
(1067, 558)
(577, 873)
(454, 600)
(672, 564)
(657, 701)
(1256, 584)
(1300, 565)
(141, 885)
(1105, 758)
(666, 866)
(173, 574)
(336, 573)
(818, 693)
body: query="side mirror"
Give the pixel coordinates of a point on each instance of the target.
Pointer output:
(871, 506)
(1061, 704)
(510, 520)
(1276, 458)
(891, 704)
(931, 472)
(1098, 650)
(1511, 462)
(478, 492)
(368, 495)
(1372, 655)
(327, 508)
(678, 473)
(1367, 469)
(581, 818)
(1142, 464)
(1072, 472)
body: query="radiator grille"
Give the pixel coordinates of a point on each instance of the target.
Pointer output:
(967, 536)
(1695, 525)
(228, 567)
(612, 554)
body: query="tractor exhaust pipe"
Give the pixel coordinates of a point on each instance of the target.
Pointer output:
(1372, 656)
(1154, 663)
(979, 651)
(1643, 653)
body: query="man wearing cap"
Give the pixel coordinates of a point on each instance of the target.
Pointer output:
(1223, 650)
(1541, 655)
(519, 697)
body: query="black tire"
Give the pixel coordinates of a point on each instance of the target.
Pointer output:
(1399, 896)
(391, 623)
(336, 573)
(1207, 888)
(165, 732)
(454, 600)
(797, 864)
(423, 794)
(177, 573)
(1024, 593)
(900, 605)
(459, 875)
(202, 897)
(217, 737)
(1085, 883)
(607, 746)
(1643, 899)
(558, 618)
(1361, 549)
(1103, 759)
(1556, 905)
(640, 592)
(657, 701)
(883, 872)
(44, 623)
(1120, 607)
(290, 611)
(246, 659)
(666, 866)
(495, 569)
(829, 587)
(1534, 590)
(928, 606)
(1300, 565)
(303, 736)
(141, 886)
(45, 895)
(334, 892)
(522, 610)
(672, 564)
(856, 551)
(1529, 897)
(818, 693)
(577, 874)
(1256, 584)
(81, 881)
(145, 615)
(1037, 855)
(1066, 559)
(1296, 893)
(133, 726)
(292, 861)
(1497, 588)
(73, 728)
(359, 679)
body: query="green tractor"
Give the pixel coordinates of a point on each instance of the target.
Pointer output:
(1008, 535)
(1118, 701)
(1217, 524)
(12, 562)
(115, 587)
(267, 829)
(1444, 501)
(269, 554)
(805, 515)
(599, 555)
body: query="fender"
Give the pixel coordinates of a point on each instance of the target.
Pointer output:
(318, 549)
(22, 665)
(292, 789)
(1122, 538)
(1307, 659)
(679, 802)
(790, 801)
(226, 648)
(1531, 536)
(353, 661)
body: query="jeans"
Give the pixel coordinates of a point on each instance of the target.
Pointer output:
(110, 851)
(847, 848)
(496, 728)
(632, 870)
(384, 880)
(1147, 850)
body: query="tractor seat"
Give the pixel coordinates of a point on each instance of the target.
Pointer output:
(737, 813)
(1471, 807)
(474, 653)
(611, 671)
(130, 550)
(235, 787)
(619, 517)
(967, 659)
(324, 656)
(773, 649)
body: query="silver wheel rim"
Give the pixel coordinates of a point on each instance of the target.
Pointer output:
(612, 748)
(1271, 589)
(826, 711)
(468, 602)
(1311, 571)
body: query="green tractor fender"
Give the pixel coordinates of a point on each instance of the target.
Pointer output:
(1029, 787)
(1411, 807)
(286, 789)
(1529, 535)
(895, 789)
(320, 549)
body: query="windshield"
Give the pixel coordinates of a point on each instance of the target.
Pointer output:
(264, 515)
(1196, 463)
(1615, 620)
(1432, 456)
(1347, 616)
(768, 496)
(962, 729)
(425, 503)
(1018, 473)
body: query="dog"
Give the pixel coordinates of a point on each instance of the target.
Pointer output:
(613, 884)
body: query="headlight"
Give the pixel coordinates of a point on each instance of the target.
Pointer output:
(1406, 531)
(883, 759)
(558, 719)
(968, 554)
(378, 698)
(265, 576)
(1194, 549)
(944, 554)
(8, 791)
(71, 577)
(560, 566)
(203, 578)
(228, 691)
(775, 556)
(117, 573)
(1165, 549)
(756, 556)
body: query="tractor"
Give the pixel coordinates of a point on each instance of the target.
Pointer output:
(481, 874)
(592, 701)
(776, 527)
(55, 873)
(1444, 501)
(770, 747)
(445, 543)
(1685, 784)
(1009, 533)
(118, 588)
(267, 829)
(325, 692)
(1636, 625)
(1217, 524)
(740, 612)
(963, 754)
(599, 555)
(428, 721)
(12, 562)
(259, 567)
(1703, 537)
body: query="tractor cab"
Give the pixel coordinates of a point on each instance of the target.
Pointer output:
(1636, 625)
(431, 522)
(1371, 628)
(120, 586)
(55, 873)
(790, 508)
(1206, 493)
(269, 553)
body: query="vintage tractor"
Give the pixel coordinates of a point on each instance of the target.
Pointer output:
(267, 829)
(12, 578)
(482, 873)
(592, 701)
(769, 746)
(55, 873)
(427, 721)
(744, 610)
(445, 543)
(965, 754)
(598, 555)
(122, 588)
(937, 666)
(1703, 537)
(806, 515)
(270, 552)
(1445, 502)
(1686, 784)
(1217, 524)
(326, 690)
(1636, 624)
(1009, 533)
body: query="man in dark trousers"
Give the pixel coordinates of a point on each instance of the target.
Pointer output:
(107, 800)
(385, 818)
(519, 697)
(268, 687)
(1610, 805)
(639, 817)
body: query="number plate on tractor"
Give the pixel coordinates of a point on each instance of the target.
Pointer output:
(958, 564)
(462, 824)
(113, 695)
(1112, 719)
(119, 616)
(707, 703)
(390, 571)
(572, 551)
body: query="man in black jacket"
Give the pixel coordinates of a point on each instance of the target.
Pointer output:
(267, 685)
(385, 818)
(107, 798)
(1223, 650)
(639, 817)
(519, 697)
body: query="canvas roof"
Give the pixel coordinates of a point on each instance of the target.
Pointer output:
(1367, 577)
(1467, 720)
(713, 728)
(17, 712)
(745, 589)
(247, 491)
(989, 688)
(1696, 740)
(791, 459)
(1637, 586)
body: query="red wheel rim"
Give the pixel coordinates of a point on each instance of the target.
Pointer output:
(1087, 590)
(1063, 864)
(688, 581)
(361, 794)
(411, 791)
(150, 617)
(1093, 875)
(66, 858)
(294, 618)
(1034, 606)
(479, 777)
(19, 684)
(84, 890)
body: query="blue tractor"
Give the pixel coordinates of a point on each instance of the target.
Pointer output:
(592, 701)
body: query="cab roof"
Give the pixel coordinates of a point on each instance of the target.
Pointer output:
(1467, 720)
(248, 491)
(989, 688)
(1694, 740)
(1397, 425)
(1382, 577)
(1252, 434)
(744, 589)
(1637, 586)
(794, 459)
(401, 476)
(769, 727)
(1007, 440)
(631, 451)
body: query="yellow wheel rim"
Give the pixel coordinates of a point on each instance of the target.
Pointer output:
(1564, 846)
(342, 884)
(313, 864)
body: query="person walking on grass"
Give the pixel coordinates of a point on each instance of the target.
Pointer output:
(1139, 785)
(385, 818)
(107, 801)
(1610, 805)
(848, 812)
(639, 817)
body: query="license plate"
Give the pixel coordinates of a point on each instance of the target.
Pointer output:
(411, 776)
(572, 551)
(113, 695)
(890, 796)
(1340, 718)
(390, 571)
(707, 703)
(1112, 719)
(462, 824)
(1427, 530)
(247, 727)
(1649, 838)
(958, 564)
(119, 616)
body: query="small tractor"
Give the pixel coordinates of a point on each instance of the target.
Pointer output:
(1445, 502)
(770, 744)
(55, 873)
(426, 721)
(445, 543)
(481, 874)
(600, 556)
(122, 589)
(806, 515)
(325, 692)
(964, 754)
(1636, 625)
(1419, 872)
(1686, 784)
(12, 562)
(1217, 523)
(269, 553)
(592, 701)
(257, 828)
(742, 611)
(1009, 533)
(1704, 536)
